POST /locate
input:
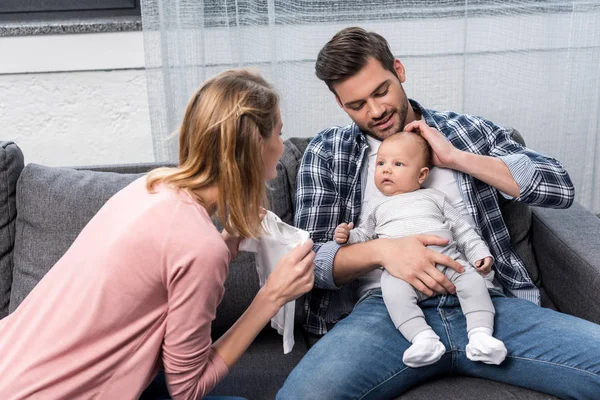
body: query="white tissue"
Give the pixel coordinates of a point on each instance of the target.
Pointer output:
(278, 239)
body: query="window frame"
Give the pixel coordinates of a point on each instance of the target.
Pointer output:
(43, 10)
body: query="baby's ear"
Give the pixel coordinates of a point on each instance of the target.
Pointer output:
(423, 175)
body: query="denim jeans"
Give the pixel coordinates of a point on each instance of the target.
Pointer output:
(361, 357)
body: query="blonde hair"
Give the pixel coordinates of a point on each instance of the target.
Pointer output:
(220, 144)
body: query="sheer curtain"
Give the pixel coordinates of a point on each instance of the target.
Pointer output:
(532, 64)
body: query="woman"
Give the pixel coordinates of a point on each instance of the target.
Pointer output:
(139, 287)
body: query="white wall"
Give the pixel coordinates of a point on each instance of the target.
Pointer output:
(78, 99)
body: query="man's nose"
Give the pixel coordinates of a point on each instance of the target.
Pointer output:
(376, 110)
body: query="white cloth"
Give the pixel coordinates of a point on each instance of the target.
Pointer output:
(277, 240)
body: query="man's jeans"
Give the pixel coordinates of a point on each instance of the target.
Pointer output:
(361, 357)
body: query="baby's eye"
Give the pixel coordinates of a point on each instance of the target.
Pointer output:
(380, 163)
(398, 164)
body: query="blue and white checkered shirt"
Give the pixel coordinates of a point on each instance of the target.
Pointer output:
(330, 192)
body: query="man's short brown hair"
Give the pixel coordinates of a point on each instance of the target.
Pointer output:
(348, 52)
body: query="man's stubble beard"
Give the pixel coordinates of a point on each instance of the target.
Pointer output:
(393, 129)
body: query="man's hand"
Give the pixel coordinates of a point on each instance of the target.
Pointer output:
(444, 154)
(490, 170)
(484, 266)
(342, 232)
(409, 259)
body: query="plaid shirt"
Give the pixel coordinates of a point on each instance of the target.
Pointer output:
(330, 192)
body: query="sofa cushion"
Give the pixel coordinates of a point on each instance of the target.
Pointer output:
(281, 191)
(263, 368)
(53, 206)
(518, 218)
(468, 388)
(11, 164)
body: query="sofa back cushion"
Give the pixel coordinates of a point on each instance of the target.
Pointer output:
(53, 206)
(11, 164)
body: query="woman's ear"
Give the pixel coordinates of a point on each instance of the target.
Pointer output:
(423, 175)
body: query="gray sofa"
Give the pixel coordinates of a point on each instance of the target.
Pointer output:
(42, 210)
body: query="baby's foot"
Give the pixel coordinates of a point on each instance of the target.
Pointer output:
(484, 347)
(426, 349)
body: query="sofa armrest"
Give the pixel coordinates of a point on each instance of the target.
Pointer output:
(566, 244)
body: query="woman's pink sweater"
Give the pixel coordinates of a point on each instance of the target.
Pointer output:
(136, 291)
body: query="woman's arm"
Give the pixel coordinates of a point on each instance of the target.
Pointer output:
(193, 364)
(292, 277)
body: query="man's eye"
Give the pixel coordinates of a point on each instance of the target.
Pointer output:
(381, 94)
(356, 108)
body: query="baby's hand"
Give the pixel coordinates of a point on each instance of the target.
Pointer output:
(484, 266)
(342, 232)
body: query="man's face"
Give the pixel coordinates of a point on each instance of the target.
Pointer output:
(374, 99)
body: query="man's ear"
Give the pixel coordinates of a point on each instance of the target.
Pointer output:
(423, 175)
(400, 70)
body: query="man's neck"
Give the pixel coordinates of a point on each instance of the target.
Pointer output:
(413, 114)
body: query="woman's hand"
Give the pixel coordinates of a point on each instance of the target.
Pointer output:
(232, 241)
(293, 276)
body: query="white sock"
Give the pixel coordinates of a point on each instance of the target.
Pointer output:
(484, 347)
(426, 349)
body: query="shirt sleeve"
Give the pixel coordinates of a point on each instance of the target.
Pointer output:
(542, 180)
(318, 211)
(196, 264)
(468, 241)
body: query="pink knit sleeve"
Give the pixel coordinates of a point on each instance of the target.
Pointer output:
(196, 260)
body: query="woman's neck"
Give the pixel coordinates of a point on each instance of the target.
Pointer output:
(210, 198)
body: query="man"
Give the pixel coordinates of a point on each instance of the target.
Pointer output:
(361, 357)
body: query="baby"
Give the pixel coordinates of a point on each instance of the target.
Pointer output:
(406, 209)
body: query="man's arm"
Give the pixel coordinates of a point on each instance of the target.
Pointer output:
(406, 258)
(318, 211)
(517, 172)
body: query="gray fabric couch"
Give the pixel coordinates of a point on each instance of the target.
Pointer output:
(43, 209)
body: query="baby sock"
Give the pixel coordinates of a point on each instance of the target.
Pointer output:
(426, 349)
(484, 347)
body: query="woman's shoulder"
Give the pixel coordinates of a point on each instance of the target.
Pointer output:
(175, 217)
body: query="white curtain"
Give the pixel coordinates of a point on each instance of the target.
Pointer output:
(533, 64)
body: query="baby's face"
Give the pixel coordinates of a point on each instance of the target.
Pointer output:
(399, 166)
